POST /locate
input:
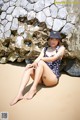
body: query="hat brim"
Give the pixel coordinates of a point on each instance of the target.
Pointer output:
(54, 38)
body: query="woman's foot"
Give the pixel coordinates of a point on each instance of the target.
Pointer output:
(19, 97)
(29, 95)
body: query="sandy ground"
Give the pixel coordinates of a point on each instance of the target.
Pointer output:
(61, 102)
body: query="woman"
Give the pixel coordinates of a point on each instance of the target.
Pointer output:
(45, 69)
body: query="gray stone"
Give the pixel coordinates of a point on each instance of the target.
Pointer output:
(58, 24)
(72, 68)
(10, 10)
(3, 15)
(49, 22)
(73, 18)
(12, 3)
(2, 28)
(41, 16)
(39, 5)
(31, 15)
(6, 0)
(5, 6)
(13, 0)
(48, 2)
(24, 3)
(21, 29)
(47, 11)
(19, 42)
(54, 11)
(14, 24)
(18, 2)
(0, 20)
(67, 29)
(9, 17)
(7, 34)
(60, 3)
(1, 35)
(62, 13)
(32, 1)
(30, 7)
(7, 26)
(4, 22)
(19, 12)
(1, 3)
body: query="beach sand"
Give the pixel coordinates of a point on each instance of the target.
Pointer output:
(61, 102)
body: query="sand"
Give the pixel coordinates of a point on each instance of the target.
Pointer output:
(61, 102)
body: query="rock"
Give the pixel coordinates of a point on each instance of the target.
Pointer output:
(10, 10)
(41, 16)
(32, 1)
(14, 24)
(12, 3)
(58, 24)
(72, 68)
(47, 12)
(13, 0)
(3, 60)
(54, 11)
(39, 5)
(19, 12)
(21, 29)
(48, 2)
(1, 3)
(31, 15)
(7, 26)
(19, 42)
(24, 35)
(49, 22)
(24, 3)
(3, 15)
(60, 3)
(30, 7)
(18, 2)
(62, 14)
(68, 28)
(9, 18)
(2, 28)
(4, 22)
(7, 34)
(6, 0)
(1, 36)
(72, 18)
(13, 56)
(5, 6)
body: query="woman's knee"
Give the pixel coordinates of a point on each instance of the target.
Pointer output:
(41, 63)
(30, 71)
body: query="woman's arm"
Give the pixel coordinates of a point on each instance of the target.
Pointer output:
(39, 57)
(58, 55)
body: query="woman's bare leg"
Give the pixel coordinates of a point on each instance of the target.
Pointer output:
(49, 78)
(25, 80)
(37, 79)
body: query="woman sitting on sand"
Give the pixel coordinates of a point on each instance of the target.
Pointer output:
(45, 69)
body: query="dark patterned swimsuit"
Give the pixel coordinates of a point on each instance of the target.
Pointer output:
(54, 65)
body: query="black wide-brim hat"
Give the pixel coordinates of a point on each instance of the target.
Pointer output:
(55, 35)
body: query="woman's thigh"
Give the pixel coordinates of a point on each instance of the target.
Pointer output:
(48, 77)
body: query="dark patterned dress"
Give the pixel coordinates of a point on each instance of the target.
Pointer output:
(54, 66)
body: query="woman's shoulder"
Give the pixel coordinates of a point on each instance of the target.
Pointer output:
(62, 47)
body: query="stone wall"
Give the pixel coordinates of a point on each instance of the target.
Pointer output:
(26, 24)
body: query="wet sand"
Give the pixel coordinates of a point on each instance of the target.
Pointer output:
(61, 102)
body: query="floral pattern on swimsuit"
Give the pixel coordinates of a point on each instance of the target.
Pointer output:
(54, 66)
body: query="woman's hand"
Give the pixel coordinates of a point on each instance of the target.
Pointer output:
(34, 64)
(28, 66)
